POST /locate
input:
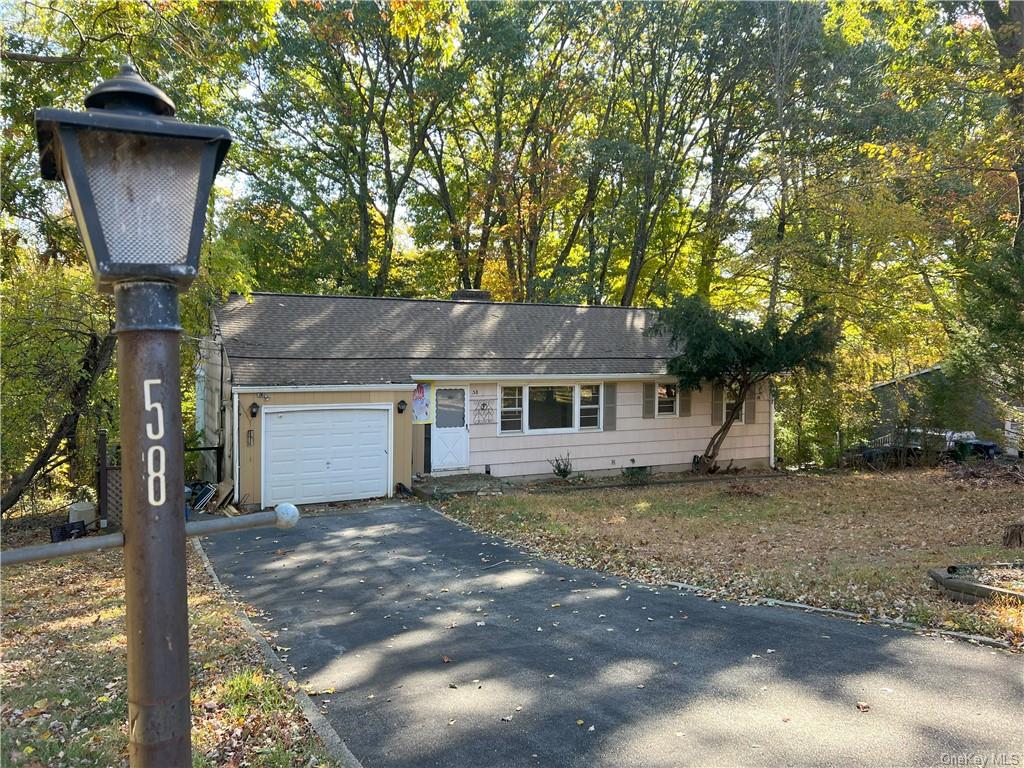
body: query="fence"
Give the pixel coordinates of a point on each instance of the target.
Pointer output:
(108, 477)
(108, 481)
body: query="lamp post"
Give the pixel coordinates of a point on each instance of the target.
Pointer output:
(139, 182)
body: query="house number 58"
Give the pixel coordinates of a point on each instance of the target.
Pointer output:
(156, 458)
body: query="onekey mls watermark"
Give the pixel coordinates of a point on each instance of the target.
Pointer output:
(983, 759)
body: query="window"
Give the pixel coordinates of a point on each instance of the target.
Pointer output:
(667, 399)
(525, 409)
(451, 408)
(590, 406)
(511, 409)
(728, 406)
(550, 407)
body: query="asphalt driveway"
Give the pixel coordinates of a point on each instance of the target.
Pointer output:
(449, 648)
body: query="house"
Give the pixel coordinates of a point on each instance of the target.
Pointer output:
(330, 398)
(933, 400)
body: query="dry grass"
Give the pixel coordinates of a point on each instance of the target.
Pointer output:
(860, 542)
(64, 674)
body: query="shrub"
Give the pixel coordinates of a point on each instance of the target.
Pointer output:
(561, 466)
(636, 475)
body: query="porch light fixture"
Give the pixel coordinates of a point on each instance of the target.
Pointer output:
(401, 405)
(139, 180)
(254, 409)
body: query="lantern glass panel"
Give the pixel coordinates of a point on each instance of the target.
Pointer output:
(145, 189)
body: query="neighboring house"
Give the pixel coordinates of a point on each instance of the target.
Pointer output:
(314, 398)
(928, 399)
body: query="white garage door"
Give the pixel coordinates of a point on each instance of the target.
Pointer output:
(321, 455)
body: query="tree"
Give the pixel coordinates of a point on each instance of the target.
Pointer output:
(58, 345)
(57, 332)
(737, 354)
(340, 143)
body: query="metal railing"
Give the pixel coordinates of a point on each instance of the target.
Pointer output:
(283, 516)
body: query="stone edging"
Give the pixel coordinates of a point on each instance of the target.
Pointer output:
(654, 481)
(334, 744)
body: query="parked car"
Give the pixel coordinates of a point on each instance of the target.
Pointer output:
(914, 446)
(972, 446)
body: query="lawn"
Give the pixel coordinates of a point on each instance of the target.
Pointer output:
(860, 542)
(64, 674)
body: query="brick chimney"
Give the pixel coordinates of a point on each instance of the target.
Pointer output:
(471, 294)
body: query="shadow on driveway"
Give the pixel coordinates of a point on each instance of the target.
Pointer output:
(449, 648)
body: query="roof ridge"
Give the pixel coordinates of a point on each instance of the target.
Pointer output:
(424, 299)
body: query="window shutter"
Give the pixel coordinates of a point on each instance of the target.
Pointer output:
(717, 404)
(750, 406)
(609, 391)
(684, 396)
(650, 395)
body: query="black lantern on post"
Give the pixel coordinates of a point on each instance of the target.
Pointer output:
(139, 182)
(139, 179)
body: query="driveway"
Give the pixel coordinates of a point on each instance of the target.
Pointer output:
(449, 648)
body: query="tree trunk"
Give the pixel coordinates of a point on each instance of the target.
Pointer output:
(708, 260)
(707, 460)
(1013, 536)
(363, 243)
(384, 272)
(94, 364)
(637, 256)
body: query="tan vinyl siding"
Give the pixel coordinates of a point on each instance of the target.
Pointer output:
(249, 455)
(636, 441)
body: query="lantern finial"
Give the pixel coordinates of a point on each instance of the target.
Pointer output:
(127, 91)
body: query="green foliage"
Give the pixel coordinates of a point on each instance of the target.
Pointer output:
(53, 321)
(561, 466)
(253, 691)
(863, 158)
(735, 353)
(636, 475)
(50, 318)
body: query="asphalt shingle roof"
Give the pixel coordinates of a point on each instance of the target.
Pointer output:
(287, 339)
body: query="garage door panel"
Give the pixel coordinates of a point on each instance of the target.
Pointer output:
(322, 455)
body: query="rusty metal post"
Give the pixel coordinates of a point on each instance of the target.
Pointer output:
(152, 456)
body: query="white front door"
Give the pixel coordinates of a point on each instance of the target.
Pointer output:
(449, 437)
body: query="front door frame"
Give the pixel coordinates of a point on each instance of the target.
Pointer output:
(435, 429)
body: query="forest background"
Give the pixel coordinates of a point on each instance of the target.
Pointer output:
(864, 159)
